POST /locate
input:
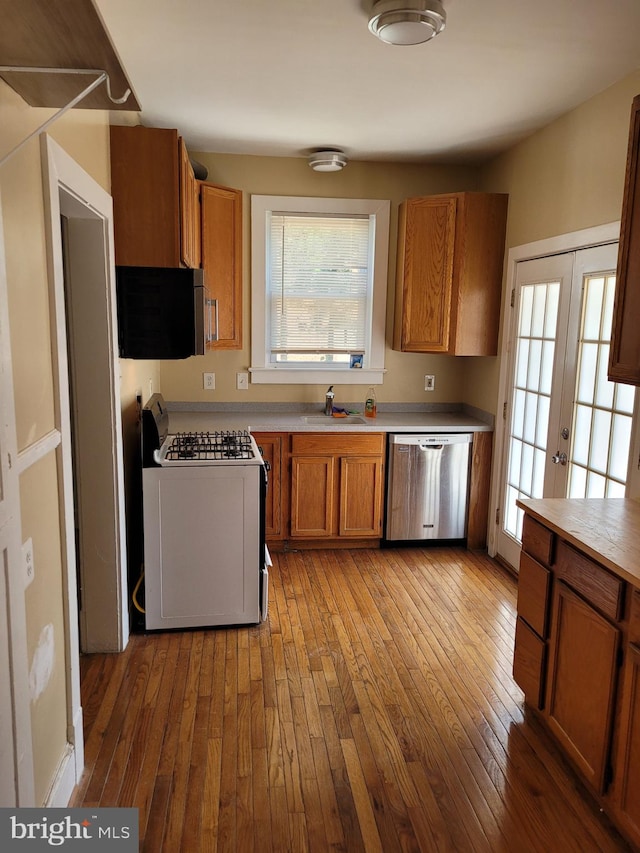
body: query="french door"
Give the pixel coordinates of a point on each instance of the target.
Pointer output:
(568, 429)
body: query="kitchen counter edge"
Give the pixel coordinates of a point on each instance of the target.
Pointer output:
(390, 422)
(607, 529)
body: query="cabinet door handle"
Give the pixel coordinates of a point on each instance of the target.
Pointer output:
(212, 332)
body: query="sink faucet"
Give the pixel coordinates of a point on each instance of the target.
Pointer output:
(328, 401)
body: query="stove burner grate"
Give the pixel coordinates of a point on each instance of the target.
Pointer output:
(210, 445)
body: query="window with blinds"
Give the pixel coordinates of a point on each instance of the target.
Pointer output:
(319, 287)
(319, 271)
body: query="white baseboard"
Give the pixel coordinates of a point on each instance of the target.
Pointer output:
(70, 767)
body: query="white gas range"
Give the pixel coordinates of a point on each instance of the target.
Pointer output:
(206, 562)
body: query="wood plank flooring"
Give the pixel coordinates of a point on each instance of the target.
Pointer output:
(373, 711)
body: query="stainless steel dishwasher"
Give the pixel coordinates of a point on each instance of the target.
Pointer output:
(428, 486)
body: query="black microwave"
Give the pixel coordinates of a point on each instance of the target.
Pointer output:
(163, 312)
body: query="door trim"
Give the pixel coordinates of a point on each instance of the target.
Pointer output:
(561, 244)
(69, 190)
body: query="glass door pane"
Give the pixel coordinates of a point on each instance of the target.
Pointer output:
(535, 349)
(602, 410)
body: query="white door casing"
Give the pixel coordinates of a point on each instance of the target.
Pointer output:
(70, 192)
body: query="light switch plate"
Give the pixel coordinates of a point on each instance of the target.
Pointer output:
(429, 382)
(242, 381)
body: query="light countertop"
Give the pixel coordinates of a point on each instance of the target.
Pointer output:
(608, 530)
(259, 420)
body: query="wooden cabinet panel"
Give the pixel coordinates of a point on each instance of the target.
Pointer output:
(624, 355)
(537, 540)
(312, 496)
(346, 444)
(221, 212)
(528, 663)
(145, 182)
(634, 618)
(426, 232)
(601, 588)
(628, 775)
(449, 273)
(582, 682)
(271, 446)
(479, 485)
(534, 583)
(360, 496)
(189, 211)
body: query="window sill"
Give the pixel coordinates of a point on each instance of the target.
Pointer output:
(323, 376)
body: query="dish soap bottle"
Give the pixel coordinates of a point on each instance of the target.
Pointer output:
(370, 406)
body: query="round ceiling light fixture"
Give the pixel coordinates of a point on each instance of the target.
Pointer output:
(407, 21)
(328, 160)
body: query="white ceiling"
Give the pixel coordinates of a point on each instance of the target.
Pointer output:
(281, 77)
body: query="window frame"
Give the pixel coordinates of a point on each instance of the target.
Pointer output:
(265, 372)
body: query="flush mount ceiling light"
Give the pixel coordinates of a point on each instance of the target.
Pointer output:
(327, 160)
(407, 21)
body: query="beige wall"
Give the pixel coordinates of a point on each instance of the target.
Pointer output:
(566, 177)
(404, 380)
(84, 135)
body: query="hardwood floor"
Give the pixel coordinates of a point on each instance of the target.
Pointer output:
(373, 711)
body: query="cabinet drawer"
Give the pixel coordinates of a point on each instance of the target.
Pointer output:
(528, 663)
(534, 582)
(596, 584)
(634, 618)
(537, 540)
(351, 444)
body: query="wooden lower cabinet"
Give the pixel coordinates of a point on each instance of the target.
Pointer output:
(337, 485)
(627, 781)
(312, 496)
(577, 660)
(361, 480)
(529, 658)
(583, 670)
(272, 446)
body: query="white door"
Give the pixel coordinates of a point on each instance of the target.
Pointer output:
(16, 762)
(568, 429)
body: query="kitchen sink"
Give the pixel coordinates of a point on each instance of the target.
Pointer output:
(326, 420)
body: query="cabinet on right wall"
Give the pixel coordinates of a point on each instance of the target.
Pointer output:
(449, 273)
(624, 356)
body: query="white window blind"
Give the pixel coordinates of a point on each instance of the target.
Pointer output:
(319, 286)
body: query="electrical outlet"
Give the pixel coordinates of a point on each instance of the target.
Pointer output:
(27, 561)
(209, 381)
(429, 382)
(242, 381)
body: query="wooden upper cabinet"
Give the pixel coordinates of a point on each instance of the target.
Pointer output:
(221, 212)
(190, 239)
(449, 273)
(624, 356)
(155, 202)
